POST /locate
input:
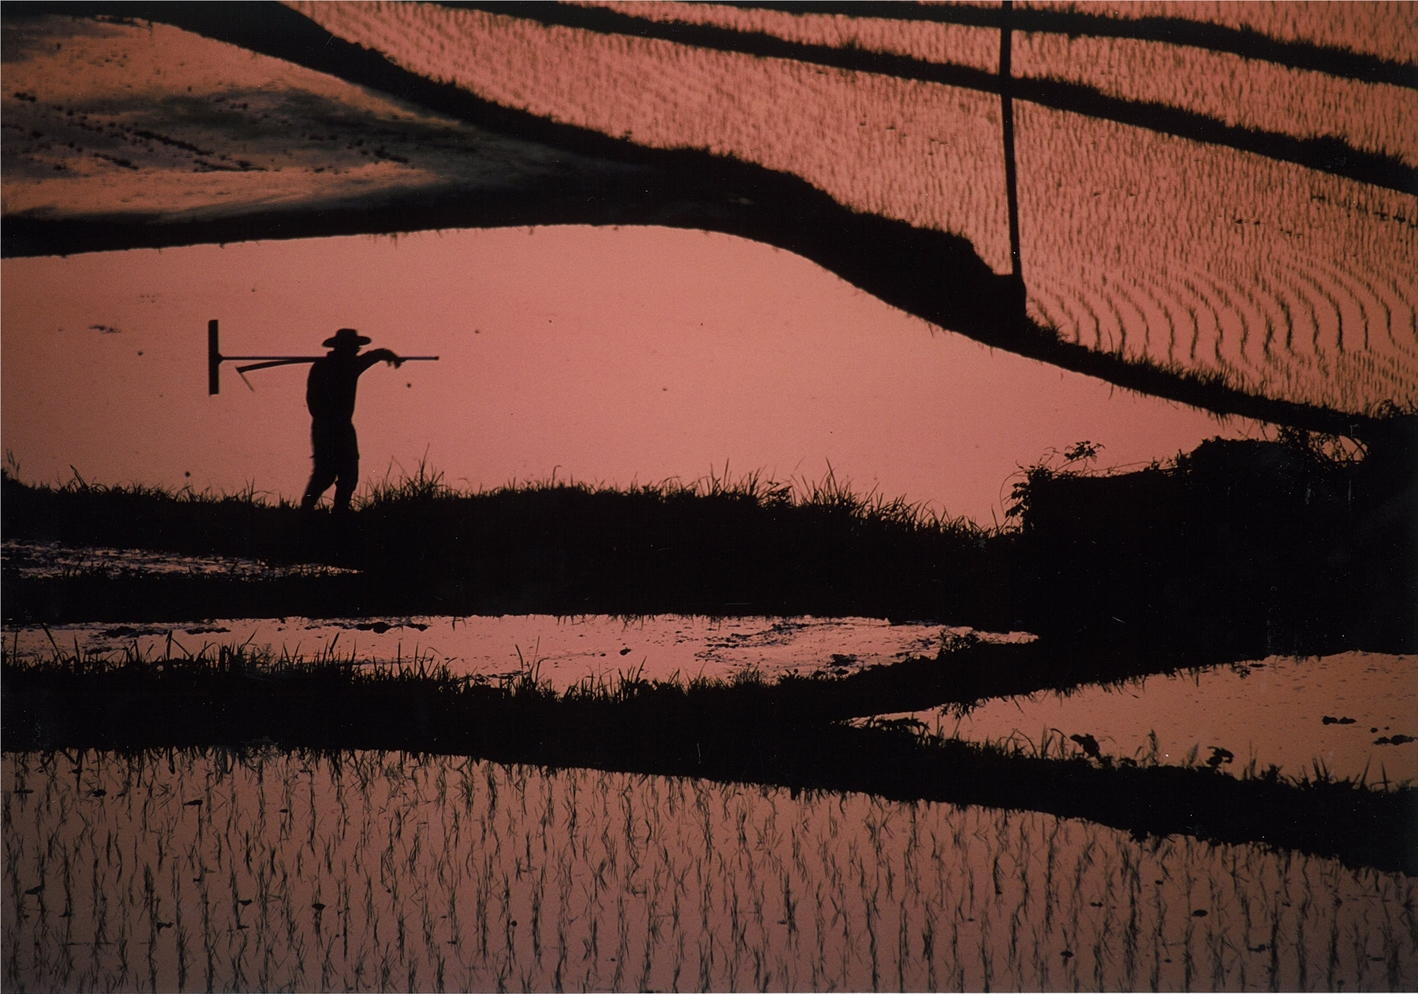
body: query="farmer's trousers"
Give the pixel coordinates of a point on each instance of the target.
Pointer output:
(335, 453)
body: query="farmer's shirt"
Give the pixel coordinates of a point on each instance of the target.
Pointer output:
(330, 388)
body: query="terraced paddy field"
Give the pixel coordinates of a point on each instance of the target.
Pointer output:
(1216, 206)
(1235, 204)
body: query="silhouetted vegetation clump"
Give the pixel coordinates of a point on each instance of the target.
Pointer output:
(1302, 544)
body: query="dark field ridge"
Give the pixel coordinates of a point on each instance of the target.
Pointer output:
(1236, 550)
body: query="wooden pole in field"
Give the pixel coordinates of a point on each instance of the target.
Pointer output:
(214, 358)
(1011, 191)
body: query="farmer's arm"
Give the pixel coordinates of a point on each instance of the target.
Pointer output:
(379, 355)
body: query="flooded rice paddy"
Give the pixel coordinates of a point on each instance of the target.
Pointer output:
(359, 871)
(210, 870)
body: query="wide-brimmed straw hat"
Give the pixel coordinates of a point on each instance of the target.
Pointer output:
(345, 337)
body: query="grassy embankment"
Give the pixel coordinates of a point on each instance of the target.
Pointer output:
(1236, 550)
(787, 733)
(712, 547)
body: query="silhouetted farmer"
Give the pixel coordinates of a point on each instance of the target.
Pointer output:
(330, 396)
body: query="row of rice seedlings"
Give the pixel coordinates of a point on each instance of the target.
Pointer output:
(1274, 97)
(666, 95)
(1355, 298)
(929, 41)
(383, 870)
(1245, 92)
(1376, 307)
(1281, 343)
(1379, 29)
(1330, 208)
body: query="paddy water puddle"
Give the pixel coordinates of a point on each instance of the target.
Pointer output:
(559, 651)
(1350, 715)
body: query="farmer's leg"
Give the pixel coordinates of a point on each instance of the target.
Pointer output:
(320, 479)
(345, 485)
(347, 469)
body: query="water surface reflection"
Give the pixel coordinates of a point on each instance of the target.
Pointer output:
(1349, 715)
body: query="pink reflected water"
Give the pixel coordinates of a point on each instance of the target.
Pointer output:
(1351, 715)
(1263, 712)
(561, 652)
(577, 353)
